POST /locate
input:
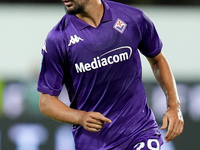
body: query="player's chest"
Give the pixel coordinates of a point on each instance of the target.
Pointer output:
(107, 39)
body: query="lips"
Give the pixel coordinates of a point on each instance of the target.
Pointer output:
(67, 3)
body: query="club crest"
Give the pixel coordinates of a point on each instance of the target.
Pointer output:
(120, 25)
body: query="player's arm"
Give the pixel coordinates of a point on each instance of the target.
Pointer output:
(52, 107)
(173, 116)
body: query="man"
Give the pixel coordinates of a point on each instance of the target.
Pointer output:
(93, 50)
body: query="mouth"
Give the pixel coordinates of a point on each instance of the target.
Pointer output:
(67, 3)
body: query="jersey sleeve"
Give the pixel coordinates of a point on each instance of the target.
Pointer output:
(51, 75)
(150, 44)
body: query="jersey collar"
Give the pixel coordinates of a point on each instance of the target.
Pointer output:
(107, 16)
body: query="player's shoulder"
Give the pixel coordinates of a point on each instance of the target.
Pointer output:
(133, 13)
(57, 32)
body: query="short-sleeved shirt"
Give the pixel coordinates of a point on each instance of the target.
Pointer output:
(101, 69)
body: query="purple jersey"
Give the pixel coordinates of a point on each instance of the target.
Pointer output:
(101, 69)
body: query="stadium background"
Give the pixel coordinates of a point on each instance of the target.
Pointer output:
(24, 25)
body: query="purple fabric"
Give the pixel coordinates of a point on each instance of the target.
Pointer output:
(102, 71)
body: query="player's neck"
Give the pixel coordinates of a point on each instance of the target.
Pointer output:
(93, 14)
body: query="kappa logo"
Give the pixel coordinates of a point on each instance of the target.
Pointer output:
(44, 47)
(74, 39)
(120, 25)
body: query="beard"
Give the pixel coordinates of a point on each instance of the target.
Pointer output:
(76, 10)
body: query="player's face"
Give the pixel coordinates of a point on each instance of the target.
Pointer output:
(75, 6)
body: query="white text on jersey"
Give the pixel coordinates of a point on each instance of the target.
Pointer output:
(99, 62)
